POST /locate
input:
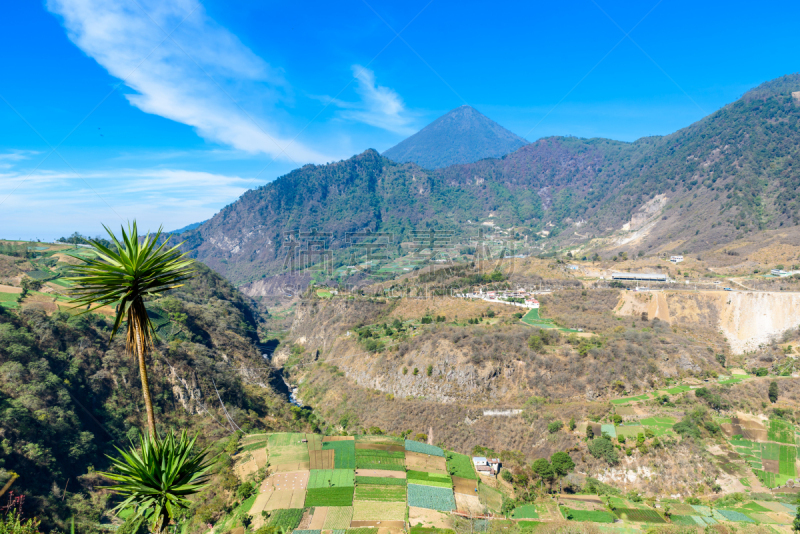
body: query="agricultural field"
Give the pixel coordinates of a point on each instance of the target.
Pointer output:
(379, 511)
(374, 492)
(338, 518)
(337, 496)
(659, 425)
(424, 448)
(460, 465)
(594, 516)
(774, 464)
(433, 498)
(287, 519)
(430, 479)
(330, 478)
(380, 481)
(344, 453)
(526, 511)
(781, 431)
(380, 459)
(490, 497)
(639, 515)
(287, 452)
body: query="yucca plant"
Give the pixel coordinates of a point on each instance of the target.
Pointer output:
(156, 478)
(123, 278)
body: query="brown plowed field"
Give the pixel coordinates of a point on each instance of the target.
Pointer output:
(465, 486)
(380, 473)
(417, 461)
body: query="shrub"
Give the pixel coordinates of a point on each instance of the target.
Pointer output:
(603, 448)
(555, 426)
(429, 370)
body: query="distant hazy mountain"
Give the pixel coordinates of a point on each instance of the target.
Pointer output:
(463, 135)
(187, 228)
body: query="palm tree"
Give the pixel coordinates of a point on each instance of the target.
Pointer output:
(123, 278)
(157, 480)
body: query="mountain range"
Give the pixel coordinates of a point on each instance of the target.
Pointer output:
(730, 175)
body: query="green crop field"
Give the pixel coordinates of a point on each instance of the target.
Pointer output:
(626, 400)
(659, 425)
(373, 459)
(429, 479)
(781, 431)
(683, 520)
(380, 493)
(253, 446)
(424, 448)
(639, 515)
(286, 519)
(586, 515)
(460, 465)
(381, 481)
(344, 453)
(770, 451)
(492, 498)
(788, 457)
(677, 389)
(526, 511)
(430, 497)
(339, 496)
(327, 478)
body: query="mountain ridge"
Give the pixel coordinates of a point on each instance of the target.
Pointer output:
(729, 175)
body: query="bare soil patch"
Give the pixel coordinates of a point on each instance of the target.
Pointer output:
(337, 438)
(417, 461)
(465, 486)
(469, 504)
(318, 519)
(10, 289)
(320, 459)
(584, 498)
(771, 466)
(428, 518)
(291, 467)
(305, 521)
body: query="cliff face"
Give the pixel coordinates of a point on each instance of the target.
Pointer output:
(746, 319)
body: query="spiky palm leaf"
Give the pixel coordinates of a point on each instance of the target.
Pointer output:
(157, 478)
(123, 278)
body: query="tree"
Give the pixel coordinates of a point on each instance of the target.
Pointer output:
(796, 524)
(589, 431)
(544, 470)
(156, 480)
(571, 424)
(773, 392)
(555, 426)
(562, 465)
(603, 448)
(124, 277)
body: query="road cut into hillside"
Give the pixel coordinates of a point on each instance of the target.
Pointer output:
(747, 319)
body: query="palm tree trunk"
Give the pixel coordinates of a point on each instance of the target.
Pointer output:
(138, 335)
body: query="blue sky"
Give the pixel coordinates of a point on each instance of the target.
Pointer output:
(166, 111)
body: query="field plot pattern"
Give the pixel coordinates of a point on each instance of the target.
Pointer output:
(379, 511)
(639, 515)
(338, 496)
(430, 497)
(338, 518)
(380, 493)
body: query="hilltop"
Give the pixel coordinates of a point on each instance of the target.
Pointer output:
(463, 135)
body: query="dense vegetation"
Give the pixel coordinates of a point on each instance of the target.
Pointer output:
(68, 395)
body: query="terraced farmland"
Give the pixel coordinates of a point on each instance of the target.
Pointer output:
(460, 465)
(327, 478)
(344, 453)
(380, 459)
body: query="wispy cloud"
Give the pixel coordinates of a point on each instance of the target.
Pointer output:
(379, 106)
(12, 157)
(187, 68)
(172, 197)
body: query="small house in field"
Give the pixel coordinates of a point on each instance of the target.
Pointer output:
(486, 466)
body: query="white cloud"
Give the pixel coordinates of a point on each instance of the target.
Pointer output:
(48, 204)
(379, 106)
(195, 76)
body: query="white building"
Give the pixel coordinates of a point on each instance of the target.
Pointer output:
(676, 259)
(486, 465)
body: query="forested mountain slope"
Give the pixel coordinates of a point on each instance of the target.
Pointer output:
(68, 396)
(463, 135)
(733, 173)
